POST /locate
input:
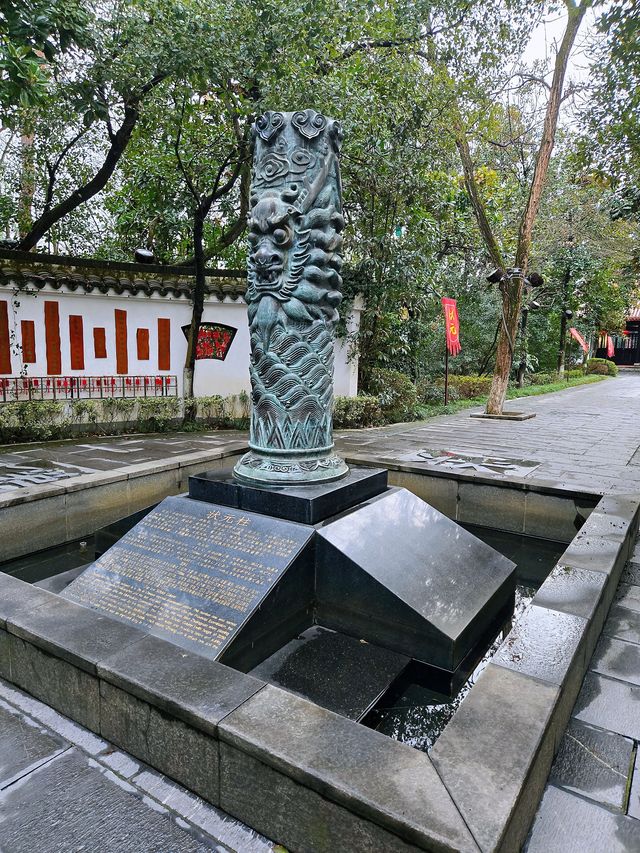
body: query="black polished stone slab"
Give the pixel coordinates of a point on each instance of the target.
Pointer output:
(307, 504)
(400, 574)
(206, 577)
(337, 672)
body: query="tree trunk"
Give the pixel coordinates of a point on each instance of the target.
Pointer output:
(512, 294)
(88, 190)
(511, 298)
(199, 284)
(27, 179)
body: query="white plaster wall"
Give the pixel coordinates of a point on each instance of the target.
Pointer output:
(97, 310)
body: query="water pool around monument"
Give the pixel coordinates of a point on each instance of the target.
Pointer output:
(417, 715)
(411, 712)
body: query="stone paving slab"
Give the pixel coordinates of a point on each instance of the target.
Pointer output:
(63, 789)
(568, 824)
(39, 465)
(584, 437)
(592, 799)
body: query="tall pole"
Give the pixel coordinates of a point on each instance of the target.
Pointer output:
(446, 374)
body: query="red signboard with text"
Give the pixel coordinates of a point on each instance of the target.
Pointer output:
(452, 325)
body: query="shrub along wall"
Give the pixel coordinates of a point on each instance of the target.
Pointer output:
(48, 420)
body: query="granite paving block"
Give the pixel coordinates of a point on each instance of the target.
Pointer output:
(159, 739)
(617, 659)
(552, 516)
(16, 595)
(5, 655)
(631, 574)
(481, 504)
(72, 632)
(53, 721)
(24, 745)
(71, 805)
(376, 777)
(439, 492)
(571, 590)
(623, 624)
(30, 524)
(619, 508)
(597, 553)
(300, 818)
(628, 595)
(566, 823)
(500, 741)
(595, 764)
(88, 509)
(197, 690)
(65, 687)
(610, 704)
(633, 808)
(544, 644)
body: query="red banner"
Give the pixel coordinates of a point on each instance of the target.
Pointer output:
(451, 325)
(611, 350)
(578, 337)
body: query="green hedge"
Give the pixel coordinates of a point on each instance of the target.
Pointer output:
(354, 412)
(602, 366)
(396, 394)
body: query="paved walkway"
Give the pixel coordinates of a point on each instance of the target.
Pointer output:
(584, 438)
(592, 800)
(63, 789)
(31, 465)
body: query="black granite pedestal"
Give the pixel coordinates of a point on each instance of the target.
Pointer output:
(306, 504)
(236, 572)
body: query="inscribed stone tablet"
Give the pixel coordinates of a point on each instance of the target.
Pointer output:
(191, 572)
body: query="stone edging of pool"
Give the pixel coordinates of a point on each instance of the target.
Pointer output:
(305, 776)
(85, 503)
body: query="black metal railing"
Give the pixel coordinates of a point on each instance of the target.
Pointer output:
(14, 389)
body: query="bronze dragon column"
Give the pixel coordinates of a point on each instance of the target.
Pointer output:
(293, 294)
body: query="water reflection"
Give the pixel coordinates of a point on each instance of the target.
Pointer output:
(417, 715)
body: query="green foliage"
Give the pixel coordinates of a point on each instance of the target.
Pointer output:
(33, 36)
(85, 411)
(396, 394)
(117, 409)
(33, 421)
(469, 387)
(156, 413)
(602, 366)
(356, 412)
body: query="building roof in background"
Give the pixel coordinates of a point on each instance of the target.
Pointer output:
(88, 275)
(634, 313)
